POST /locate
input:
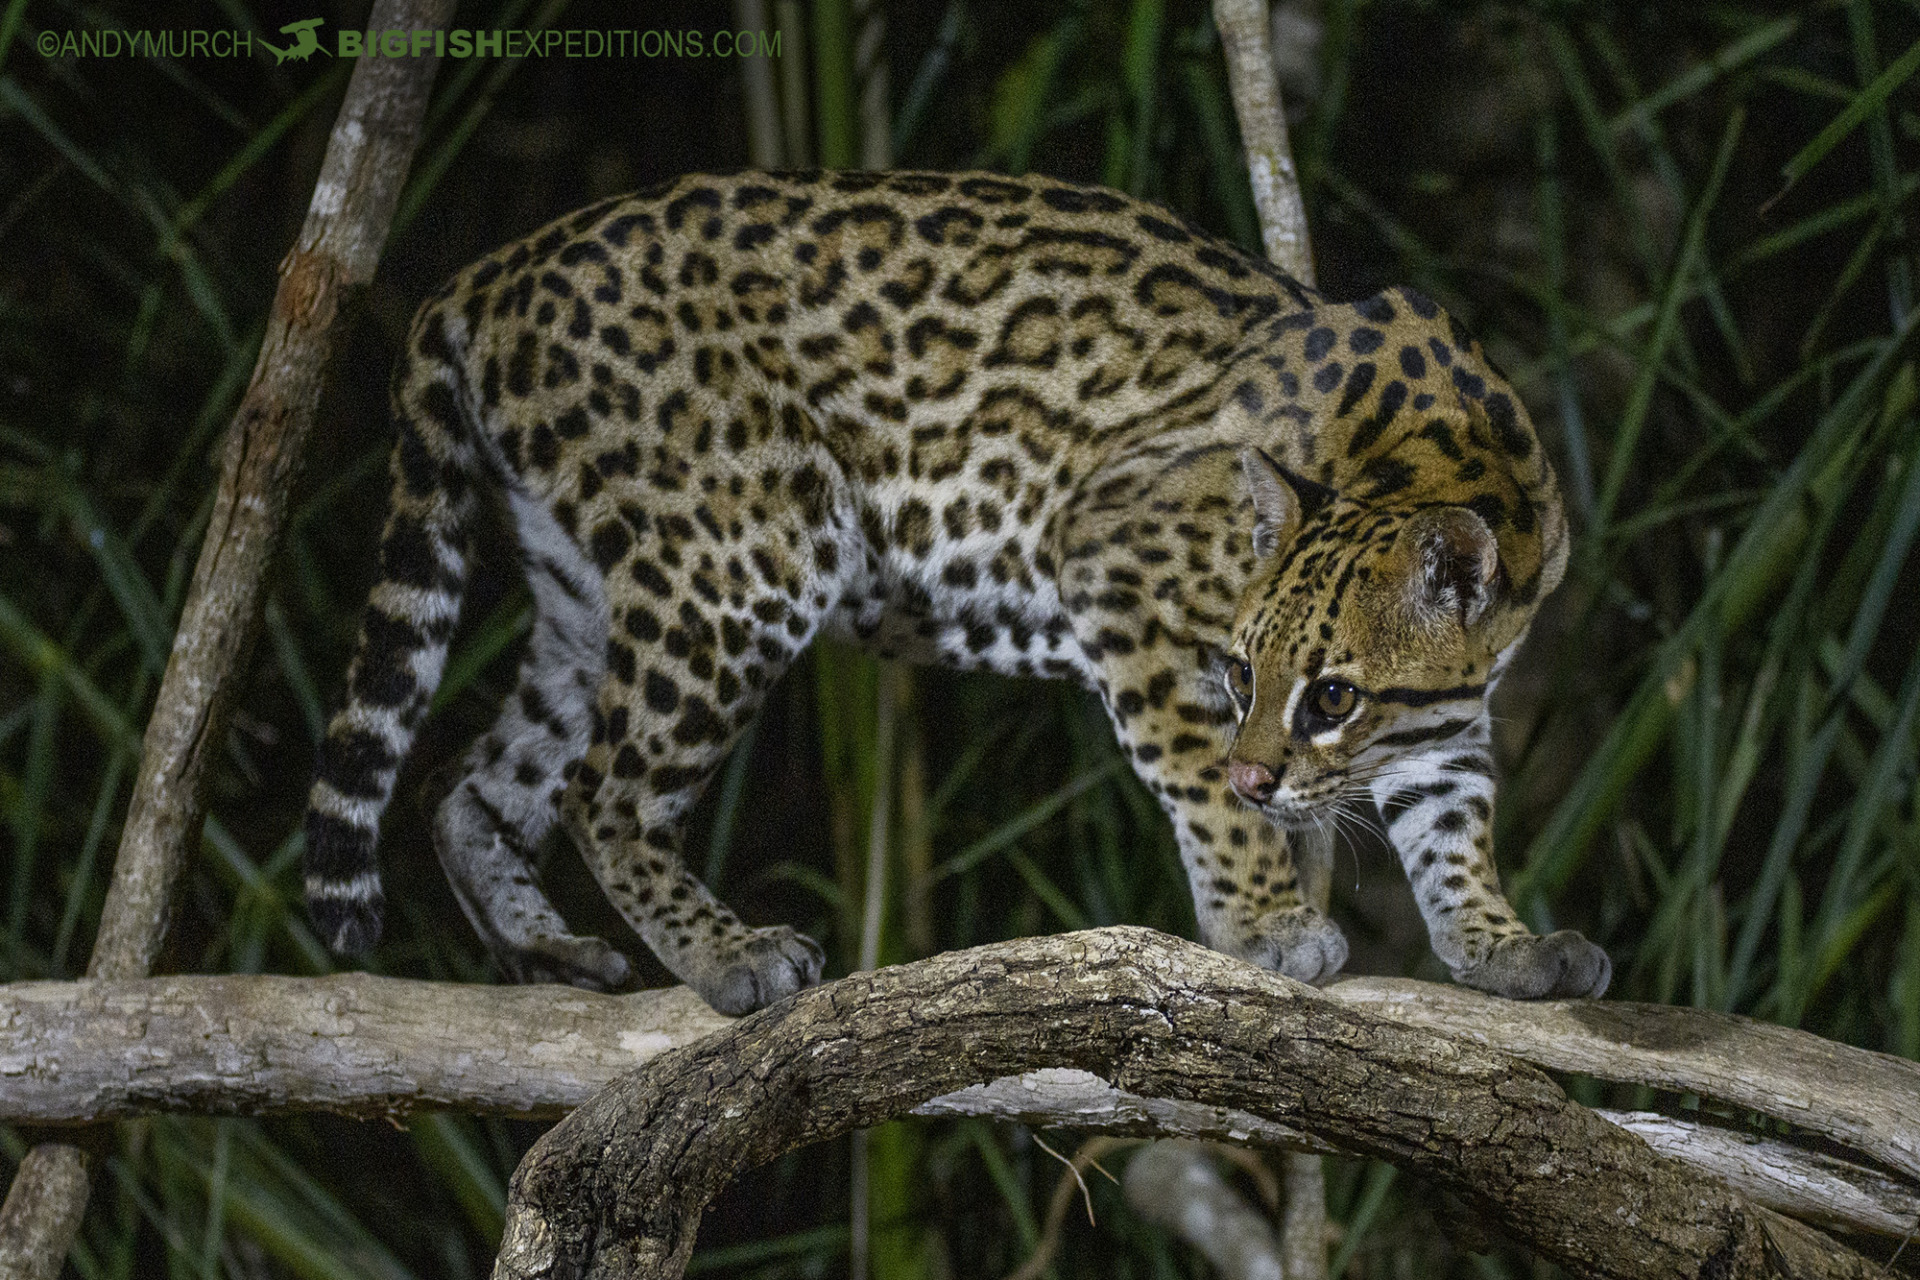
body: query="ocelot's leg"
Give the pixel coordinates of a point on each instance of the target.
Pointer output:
(1246, 884)
(490, 823)
(663, 739)
(689, 657)
(1438, 810)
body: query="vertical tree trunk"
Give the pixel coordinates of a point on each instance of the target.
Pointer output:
(1247, 40)
(353, 203)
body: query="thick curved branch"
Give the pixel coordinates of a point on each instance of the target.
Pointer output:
(376, 1047)
(617, 1188)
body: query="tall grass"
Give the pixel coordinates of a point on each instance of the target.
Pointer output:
(1684, 232)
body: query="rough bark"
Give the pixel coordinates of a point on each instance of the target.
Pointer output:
(1864, 1100)
(616, 1189)
(43, 1210)
(1815, 1188)
(376, 1047)
(352, 1043)
(367, 158)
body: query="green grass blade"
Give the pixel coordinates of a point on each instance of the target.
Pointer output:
(1550, 200)
(1006, 1183)
(257, 146)
(1020, 98)
(1729, 57)
(1018, 825)
(125, 581)
(1140, 69)
(1219, 134)
(10, 27)
(432, 166)
(1048, 892)
(1665, 328)
(34, 650)
(928, 78)
(733, 787)
(511, 619)
(1864, 104)
(821, 1244)
(449, 1146)
(1766, 553)
(835, 93)
(1380, 1179)
(1882, 788)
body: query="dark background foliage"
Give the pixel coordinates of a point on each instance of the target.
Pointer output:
(1683, 230)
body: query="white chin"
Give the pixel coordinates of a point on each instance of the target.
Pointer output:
(1292, 814)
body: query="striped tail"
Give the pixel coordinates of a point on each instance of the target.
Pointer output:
(402, 649)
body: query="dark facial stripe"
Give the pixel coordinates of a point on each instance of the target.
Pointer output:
(1427, 697)
(1414, 737)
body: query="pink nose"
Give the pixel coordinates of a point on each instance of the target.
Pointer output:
(1254, 781)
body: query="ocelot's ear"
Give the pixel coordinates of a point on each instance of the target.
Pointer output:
(1281, 499)
(1451, 565)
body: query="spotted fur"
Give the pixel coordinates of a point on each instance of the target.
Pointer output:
(1021, 425)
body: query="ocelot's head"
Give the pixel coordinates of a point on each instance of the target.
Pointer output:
(1367, 631)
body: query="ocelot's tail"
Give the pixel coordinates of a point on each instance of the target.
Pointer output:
(403, 641)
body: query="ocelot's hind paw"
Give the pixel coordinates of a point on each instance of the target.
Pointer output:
(767, 965)
(1298, 942)
(1560, 966)
(589, 963)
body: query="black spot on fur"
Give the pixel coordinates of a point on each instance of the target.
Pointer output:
(609, 543)
(1506, 425)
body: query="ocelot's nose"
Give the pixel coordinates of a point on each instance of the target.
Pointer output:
(1253, 780)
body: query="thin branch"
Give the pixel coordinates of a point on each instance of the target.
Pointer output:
(1072, 1181)
(870, 73)
(1176, 1185)
(1801, 1184)
(1303, 1222)
(1245, 37)
(617, 1188)
(367, 157)
(765, 147)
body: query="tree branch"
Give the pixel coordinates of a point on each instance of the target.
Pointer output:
(367, 159)
(368, 1046)
(1861, 1099)
(617, 1188)
(1175, 1185)
(1246, 39)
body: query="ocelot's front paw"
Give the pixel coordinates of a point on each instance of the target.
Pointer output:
(759, 968)
(1298, 942)
(1560, 966)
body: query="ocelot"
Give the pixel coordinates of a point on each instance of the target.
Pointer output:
(1017, 424)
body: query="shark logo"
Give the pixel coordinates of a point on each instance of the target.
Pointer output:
(305, 43)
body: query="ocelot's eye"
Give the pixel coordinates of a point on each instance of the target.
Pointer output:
(1240, 680)
(1332, 701)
